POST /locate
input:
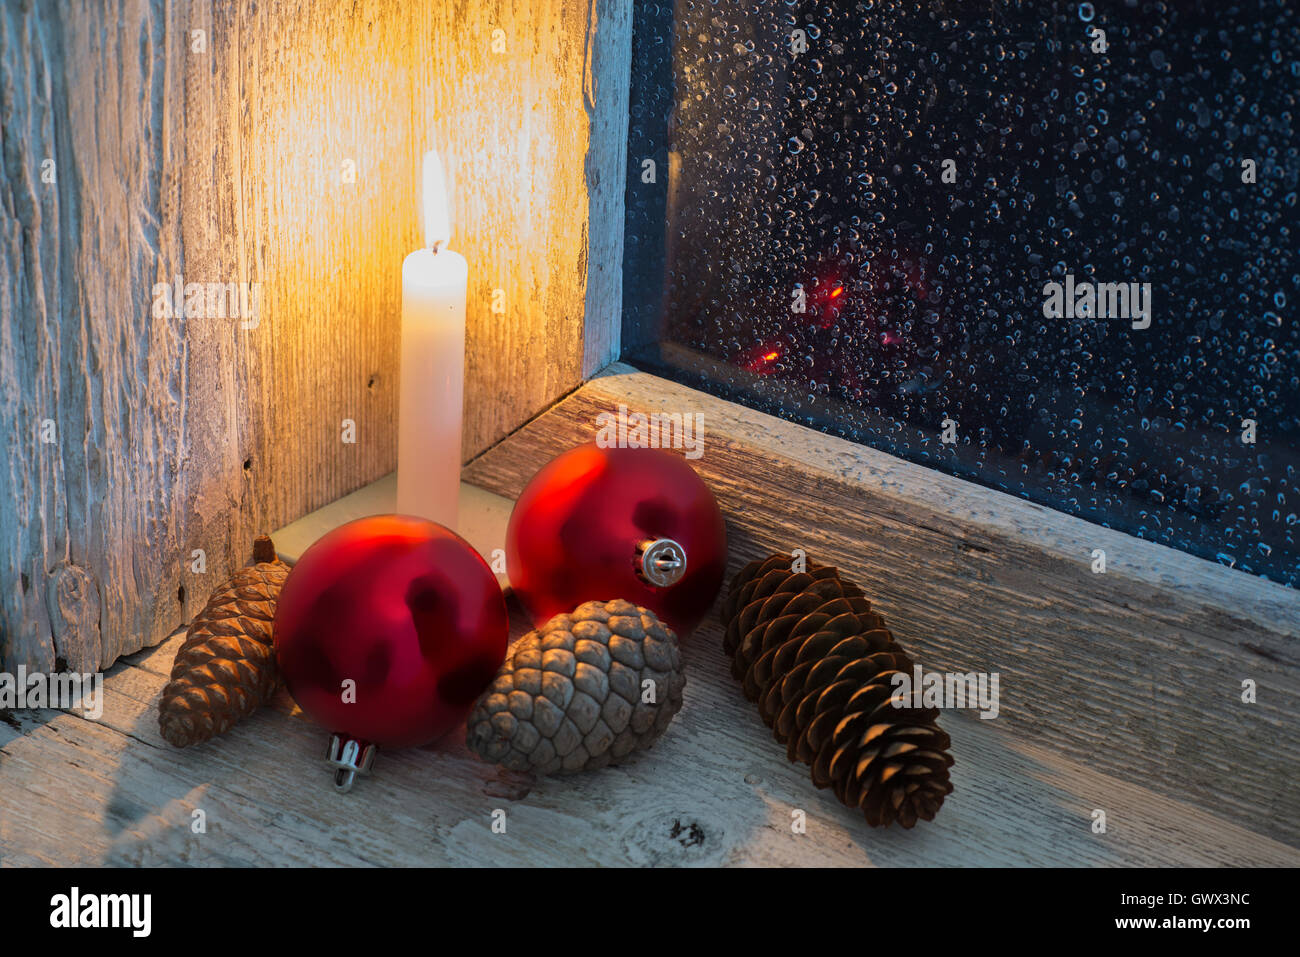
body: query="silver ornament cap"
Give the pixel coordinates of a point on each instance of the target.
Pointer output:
(660, 562)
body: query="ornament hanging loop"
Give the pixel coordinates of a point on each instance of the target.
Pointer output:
(660, 562)
(349, 756)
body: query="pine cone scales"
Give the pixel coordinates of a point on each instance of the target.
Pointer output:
(571, 696)
(819, 663)
(225, 669)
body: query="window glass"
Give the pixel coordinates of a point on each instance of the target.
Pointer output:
(1047, 247)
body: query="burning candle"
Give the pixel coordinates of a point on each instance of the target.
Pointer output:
(433, 364)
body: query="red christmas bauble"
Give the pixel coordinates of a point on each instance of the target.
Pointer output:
(403, 608)
(602, 523)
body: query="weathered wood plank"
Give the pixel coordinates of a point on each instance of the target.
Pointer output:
(1136, 672)
(92, 387)
(277, 144)
(607, 78)
(715, 790)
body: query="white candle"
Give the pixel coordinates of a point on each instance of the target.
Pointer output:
(433, 364)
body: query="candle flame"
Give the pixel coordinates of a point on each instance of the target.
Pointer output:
(437, 216)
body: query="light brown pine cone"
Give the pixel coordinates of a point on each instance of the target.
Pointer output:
(572, 696)
(807, 647)
(225, 669)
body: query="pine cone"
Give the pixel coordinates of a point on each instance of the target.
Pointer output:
(819, 662)
(569, 697)
(225, 669)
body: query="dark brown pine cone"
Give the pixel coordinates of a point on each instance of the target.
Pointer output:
(225, 669)
(808, 648)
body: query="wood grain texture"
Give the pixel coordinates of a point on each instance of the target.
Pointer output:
(715, 790)
(278, 146)
(607, 83)
(95, 101)
(1136, 672)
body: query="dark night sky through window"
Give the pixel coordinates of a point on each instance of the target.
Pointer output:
(819, 174)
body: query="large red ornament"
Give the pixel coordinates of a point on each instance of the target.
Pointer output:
(597, 524)
(409, 613)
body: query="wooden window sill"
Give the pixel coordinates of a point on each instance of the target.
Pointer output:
(1135, 673)
(1114, 709)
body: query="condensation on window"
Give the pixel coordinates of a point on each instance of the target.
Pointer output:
(1053, 253)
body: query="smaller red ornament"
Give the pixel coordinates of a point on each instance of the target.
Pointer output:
(632, 523)
(386, 631)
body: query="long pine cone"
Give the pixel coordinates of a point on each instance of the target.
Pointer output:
(819, 662)
(225, 669)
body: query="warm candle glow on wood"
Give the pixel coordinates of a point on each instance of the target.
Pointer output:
(437, 215)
